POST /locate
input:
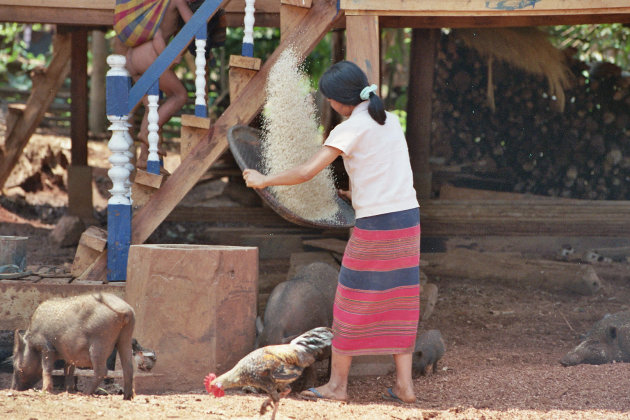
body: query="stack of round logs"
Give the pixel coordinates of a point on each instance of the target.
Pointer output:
(583, 152)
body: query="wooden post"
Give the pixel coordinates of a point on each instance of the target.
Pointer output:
(363, 45)
(248, 36)
(201, 107)
(119, 205)
(153, 161)
(419, 107)
(97, 118)
(79, 174)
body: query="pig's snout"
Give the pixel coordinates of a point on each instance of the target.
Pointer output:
(586, 353)
(145, 360)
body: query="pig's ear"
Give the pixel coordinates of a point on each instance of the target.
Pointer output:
(18, 342)
(611, 333)
(259, 326)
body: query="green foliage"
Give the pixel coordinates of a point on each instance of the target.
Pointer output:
(605, 42)
(16, 61)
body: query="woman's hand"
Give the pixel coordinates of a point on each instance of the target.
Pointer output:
(254, 179)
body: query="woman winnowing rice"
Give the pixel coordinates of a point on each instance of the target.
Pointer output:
(376, 307)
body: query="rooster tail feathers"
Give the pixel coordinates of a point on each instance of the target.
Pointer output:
(314, 341)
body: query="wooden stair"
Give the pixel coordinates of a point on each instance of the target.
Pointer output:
(243, 109)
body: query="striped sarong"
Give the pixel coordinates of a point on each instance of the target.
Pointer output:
(136, 21)
(377, 304)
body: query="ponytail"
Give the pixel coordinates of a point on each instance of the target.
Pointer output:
(346, 83)
(376, 109)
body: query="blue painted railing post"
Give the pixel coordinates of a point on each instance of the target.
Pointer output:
(201, 107)
(248, 36)
(153, 161)
(119, 205)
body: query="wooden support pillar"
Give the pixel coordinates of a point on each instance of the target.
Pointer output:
(363, 45)
(79, 174)
(97, 120)
(419, 107)
(291, 13)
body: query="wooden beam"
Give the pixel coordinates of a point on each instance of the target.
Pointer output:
(495, 21)
(363, 45)
(561, 7)
(44, 89)
(551, 217)
(314, 26)
(419, 106)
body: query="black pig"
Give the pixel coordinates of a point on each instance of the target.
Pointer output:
(428, 351)
(607, 341)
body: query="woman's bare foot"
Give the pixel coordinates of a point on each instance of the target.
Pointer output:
(406, 394)
(326, 392)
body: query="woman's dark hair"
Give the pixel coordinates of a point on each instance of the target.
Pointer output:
(344, 82)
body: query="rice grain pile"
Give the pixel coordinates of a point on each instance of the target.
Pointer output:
(291, 137)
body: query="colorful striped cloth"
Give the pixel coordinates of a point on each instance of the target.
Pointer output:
(378, 296)
(135, 21)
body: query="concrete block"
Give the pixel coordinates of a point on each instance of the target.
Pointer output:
(195, 306)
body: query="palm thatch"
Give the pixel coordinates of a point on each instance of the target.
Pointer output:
(528, 49)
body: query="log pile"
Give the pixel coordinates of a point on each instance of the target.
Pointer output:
(526, 146)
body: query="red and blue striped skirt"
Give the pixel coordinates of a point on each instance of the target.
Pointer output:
(377, 304)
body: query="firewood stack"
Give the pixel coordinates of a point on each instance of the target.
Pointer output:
(526, 145)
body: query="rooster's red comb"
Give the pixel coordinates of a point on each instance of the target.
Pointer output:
(214, 389)
(208, 379)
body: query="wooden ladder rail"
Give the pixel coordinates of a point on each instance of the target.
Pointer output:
(242, 110)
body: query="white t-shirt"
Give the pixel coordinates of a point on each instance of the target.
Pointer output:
(377, 161)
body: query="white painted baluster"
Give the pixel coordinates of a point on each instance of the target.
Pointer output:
(248, 37)
(119, 172)
(201, 107)
(153, 162)
(119, 205)
(131, 148)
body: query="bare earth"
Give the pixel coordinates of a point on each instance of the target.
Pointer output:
(503, 346)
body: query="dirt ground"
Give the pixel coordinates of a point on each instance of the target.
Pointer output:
(504, 342)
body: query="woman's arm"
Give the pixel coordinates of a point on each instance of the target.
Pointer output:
(297, 175)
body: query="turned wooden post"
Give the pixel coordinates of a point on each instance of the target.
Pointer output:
(119, 205)
(248, 36)
(201, 107)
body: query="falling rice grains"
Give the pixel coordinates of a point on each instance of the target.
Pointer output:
(291, 136)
